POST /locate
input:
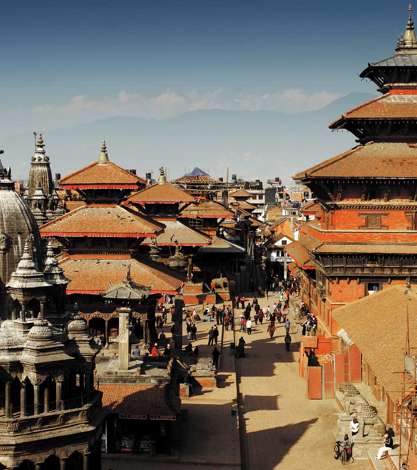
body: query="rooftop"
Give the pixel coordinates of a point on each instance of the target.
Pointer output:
(372, 160)
(165, 193)
(206, 210)
(102, 174)
(377, 324)
(101, 220)
(176, 233)
(95, 275)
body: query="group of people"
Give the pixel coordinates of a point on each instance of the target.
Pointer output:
(309, 325)
(355, 426)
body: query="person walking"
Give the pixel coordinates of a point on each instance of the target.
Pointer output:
(249, 327)
(215, 355)
(354, 426)
(211, 336)
(215, 333)
(194, 332)
(287, 341)
(287, 325)
(271, 329)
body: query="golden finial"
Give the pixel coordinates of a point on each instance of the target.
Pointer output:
(162, 176)
(408, 42)
(103, 156)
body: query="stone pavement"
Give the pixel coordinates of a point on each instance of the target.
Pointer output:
(283, 429)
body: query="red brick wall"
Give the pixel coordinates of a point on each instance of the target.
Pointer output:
(351, 219)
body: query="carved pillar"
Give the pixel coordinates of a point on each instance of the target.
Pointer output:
(62, 464)
(23, 399)
(41, 314)
(86, 461)
(106, 333)
(38, 466)
(36, 399)
(46, 399)
(7, 396)
(59, 395)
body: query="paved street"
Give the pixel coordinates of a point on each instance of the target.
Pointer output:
(283, 429)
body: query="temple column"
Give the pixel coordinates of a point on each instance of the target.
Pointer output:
(41, 314)
(86, 461)
(23, 399)
(62, 464)
(7, 396)
(46, 399)
(58, 385)
(106, 333)
(36, 399)
(38, 466)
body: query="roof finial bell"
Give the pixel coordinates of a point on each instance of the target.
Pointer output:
(104, 156)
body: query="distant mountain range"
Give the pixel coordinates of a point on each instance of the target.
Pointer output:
(253, 144)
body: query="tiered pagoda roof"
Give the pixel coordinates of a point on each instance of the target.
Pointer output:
(205, 210)
(383, 160)
(176, 233)
(165, 193)
(102, 220)
(399, 70)
(102, 174)
(94, 274)
(240, 193)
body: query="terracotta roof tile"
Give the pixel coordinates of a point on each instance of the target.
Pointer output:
(166, 193)
(137, 401)
(220, 245)
(101, 220)
(176, 233)
(197, 179)
(243, 205)
(240, 193)
(101, 174)
(206, 210)
(96, 275)
(300, 255)
(373, 160)
(386, 106)
(377, 325)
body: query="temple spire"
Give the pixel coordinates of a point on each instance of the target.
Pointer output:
(407, 44)
(104, 156)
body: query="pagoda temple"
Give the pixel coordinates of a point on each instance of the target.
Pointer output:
(363, 238)
(102, 256)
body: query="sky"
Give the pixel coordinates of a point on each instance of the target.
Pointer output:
(68, 63)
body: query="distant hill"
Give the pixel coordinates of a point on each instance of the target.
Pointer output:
(251, 143)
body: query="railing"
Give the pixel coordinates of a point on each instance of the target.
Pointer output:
(74, 412)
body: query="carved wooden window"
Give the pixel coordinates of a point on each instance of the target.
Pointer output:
(373, 221)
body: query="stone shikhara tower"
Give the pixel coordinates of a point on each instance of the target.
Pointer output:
(40, 193)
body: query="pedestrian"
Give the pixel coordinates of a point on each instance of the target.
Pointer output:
(271, 329)
(211, 336)
(194, 332)
(215, 355)
(384, 450)
(188, 348)
(287, 341)
(354, 426)
(215, 333)
(249, 327)
(154, 350)
(287, 325)
(242, 323)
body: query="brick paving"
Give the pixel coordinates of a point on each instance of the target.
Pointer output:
(283, 429)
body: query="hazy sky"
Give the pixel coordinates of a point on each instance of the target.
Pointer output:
(70, 62)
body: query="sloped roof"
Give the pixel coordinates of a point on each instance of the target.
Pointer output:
(97, 175)
(177, 233)
(166, 193)
(398, 60)
(373, 160)
(101, 220)
(240, 193)
(95, 275)
(377, 324)
(388, 106)
(243, 205)
(138, 401)
(300, 255)
(197, 176)
(220, 245)
(197, 172)
(206, 210)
